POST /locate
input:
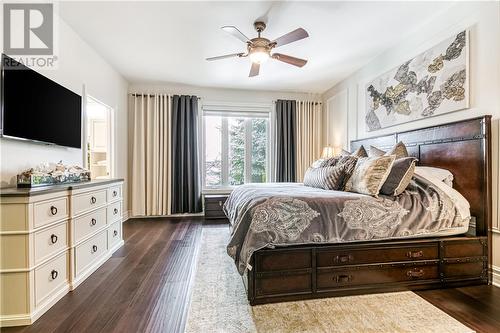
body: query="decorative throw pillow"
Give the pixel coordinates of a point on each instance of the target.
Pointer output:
(331, 177)
(318, 163)
(360, 152)
(370, 174)
(399, 150)
(400, 176)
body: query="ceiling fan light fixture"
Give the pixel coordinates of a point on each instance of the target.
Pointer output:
(259, 56)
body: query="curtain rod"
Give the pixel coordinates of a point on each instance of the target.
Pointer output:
(303, 102)
(150, 95)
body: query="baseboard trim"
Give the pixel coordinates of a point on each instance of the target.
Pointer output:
(496, 275)
(126, 215)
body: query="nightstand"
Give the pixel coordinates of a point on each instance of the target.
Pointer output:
(213, 206)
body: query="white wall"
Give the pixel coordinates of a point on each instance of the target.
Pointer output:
(483, 20)
(78, 66)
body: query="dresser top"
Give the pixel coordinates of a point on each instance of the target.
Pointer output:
(27, 192)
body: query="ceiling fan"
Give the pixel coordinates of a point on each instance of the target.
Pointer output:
(259, 48)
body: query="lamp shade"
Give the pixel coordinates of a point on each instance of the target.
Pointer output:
(328, 152)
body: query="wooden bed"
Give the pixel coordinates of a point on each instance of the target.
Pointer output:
(315, 271)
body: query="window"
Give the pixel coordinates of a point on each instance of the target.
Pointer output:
(236, 147)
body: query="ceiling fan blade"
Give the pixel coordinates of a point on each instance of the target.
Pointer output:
(226, 56)
(236, 33)
(289, 59)
(291, 37)
(254, 71)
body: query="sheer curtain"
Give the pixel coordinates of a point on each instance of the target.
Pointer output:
(151, 168)
(308, 135)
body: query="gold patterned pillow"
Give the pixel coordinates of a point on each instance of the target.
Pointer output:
(360, 152)
(370, 174)
(399, 150)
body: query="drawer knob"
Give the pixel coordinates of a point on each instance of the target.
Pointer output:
(94, 248)
(53, 210)
(93, 200)
(115, 193)
(220, 203)
(93, 222)
(342, 259)
(115, 211)
(115, 233)
(342, 278)
(415, 273)
(54, 274)
(414, 254)
(53, 239)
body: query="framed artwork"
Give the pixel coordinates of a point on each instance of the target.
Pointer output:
(432, 83)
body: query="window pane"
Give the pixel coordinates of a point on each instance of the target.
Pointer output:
(259, 150)
(213, 148)
(236, 133)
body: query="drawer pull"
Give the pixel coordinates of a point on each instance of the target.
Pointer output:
(115, 233)
(94, 249)
(53, 210)
(115, 193)
(53, 239)
(220, 203)
(93, 200)
(342, 278)
(414, 254)
(54, 274)
(115, 211)
(415, 273)
(93, 222)
(342, 259)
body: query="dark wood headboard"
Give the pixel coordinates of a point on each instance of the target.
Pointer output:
(463, 147)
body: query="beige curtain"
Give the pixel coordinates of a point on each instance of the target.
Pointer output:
(308, 133)
(151, 154)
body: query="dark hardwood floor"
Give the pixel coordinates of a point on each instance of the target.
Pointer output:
(145, 287)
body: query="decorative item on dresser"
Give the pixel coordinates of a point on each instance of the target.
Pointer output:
(213, 206)
(324, 270)
(52, 239)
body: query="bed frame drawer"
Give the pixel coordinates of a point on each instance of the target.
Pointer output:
(328, 258)
(275, 261)
(281, 284)
(335, 278)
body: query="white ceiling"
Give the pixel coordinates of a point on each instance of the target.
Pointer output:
(169, 41)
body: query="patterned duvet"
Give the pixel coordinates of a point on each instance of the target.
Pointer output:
(283, 214)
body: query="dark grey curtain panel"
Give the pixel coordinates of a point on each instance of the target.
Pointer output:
(286, 141)
(186, 192)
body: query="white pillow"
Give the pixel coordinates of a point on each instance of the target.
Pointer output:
(442, 174)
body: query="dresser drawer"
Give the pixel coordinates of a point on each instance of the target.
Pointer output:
(464, 270)
(87, 224)
(114, 193)
(114, 212)
(51, 276)
(87, 201)
(389, 254)
(114, 234)
(90, 251)
(330, 279)
(50, 211)
(49, 241)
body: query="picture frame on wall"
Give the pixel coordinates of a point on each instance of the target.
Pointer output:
(432, 83)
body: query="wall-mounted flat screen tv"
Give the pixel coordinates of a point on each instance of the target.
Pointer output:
(36, 108)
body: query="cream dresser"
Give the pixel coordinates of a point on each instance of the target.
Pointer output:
(51, 240)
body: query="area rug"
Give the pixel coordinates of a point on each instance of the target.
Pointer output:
(219, 304)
